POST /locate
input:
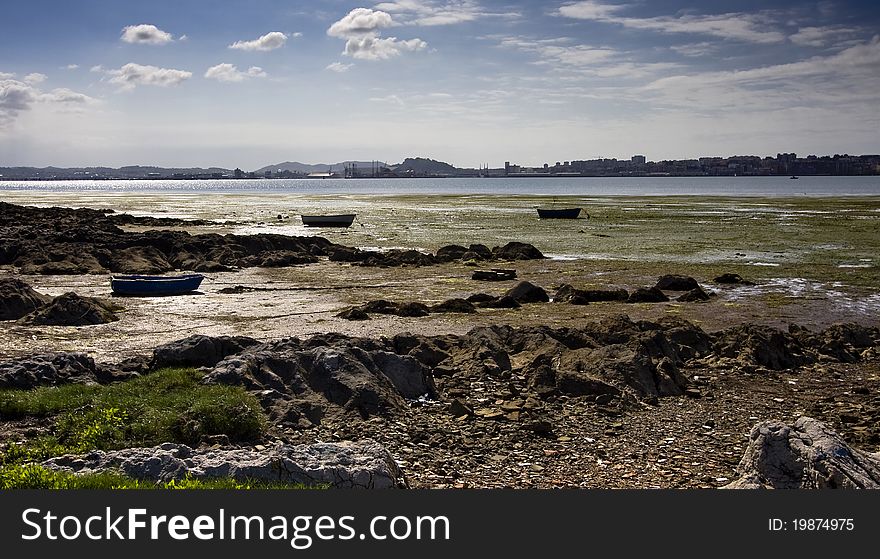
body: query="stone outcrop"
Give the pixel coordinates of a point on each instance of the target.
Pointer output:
(18, 298)
(199, 351)
(675, 282)
(71, 309)
(804, 455)
(525, 292)
(647, 295)
(49, 369)
(301, 382)
(346, 465)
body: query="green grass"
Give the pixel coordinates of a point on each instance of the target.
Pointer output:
(34, 476)
(168, 405)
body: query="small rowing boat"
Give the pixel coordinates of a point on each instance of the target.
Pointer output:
(561, 213)
(341, 220)
(145, 286)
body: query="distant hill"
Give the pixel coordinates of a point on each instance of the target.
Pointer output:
(297, 167)
(128, 172)
(424, 166)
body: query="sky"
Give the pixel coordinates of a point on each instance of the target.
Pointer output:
(469, 82)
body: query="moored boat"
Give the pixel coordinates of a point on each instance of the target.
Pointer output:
(145, 286)
(559, 213)
(340, 220)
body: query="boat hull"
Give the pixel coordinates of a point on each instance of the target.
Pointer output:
(341, 220)
(149, 286)
(562, 213)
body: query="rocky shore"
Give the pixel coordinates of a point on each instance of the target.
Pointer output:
(537, 384)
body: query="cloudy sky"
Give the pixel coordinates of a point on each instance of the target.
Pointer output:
(471, 82)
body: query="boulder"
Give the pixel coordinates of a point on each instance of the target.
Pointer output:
(674, 282)
(762, 346)
(450, 253)
(517, 251)
(363, 464)
(804, 455)
(694, 295)
(525, 292)
(493, 275)
(71, 309)
(50, 369)
(354, 313)
(306, 381)
(505, 302)
(199, 351)
(17, 299)
(647, 295)
(454, 306)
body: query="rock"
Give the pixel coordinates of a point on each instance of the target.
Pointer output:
(354, 313)
(494, 274)
(538, 426)
(762, 346)
(517, 251)
(647, 295)
(525, 292)
(457, 408)
(17, 299)
(71, 310)
(454, 306)
(731, 279)
(568, 294)
(505, 302)
(346, 465)
(674, 282)
(413, 310)
(694, 295)
(198, 351)
(805, 455)
(140, 260)
(481, 298)
(50, 369)
(482, 252)
(450, 253)
(329, 375)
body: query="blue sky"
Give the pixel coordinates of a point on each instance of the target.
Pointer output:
(471, 82)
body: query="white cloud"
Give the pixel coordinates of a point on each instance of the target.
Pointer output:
(183, 38)
(71, 66)
(361, 29)
(821, 36)
(145, 34)
(753, 27)
(360, 22)
(17, 96)
(696, 49)
(270, 41)
(339, 67)
(35, 78)
(132, 75)
(296, 35)
(379, 48)
(849, 79)
(97, 68)
(6, 76)
(231, 74)
(393, 99)
(431, 13)
(66, 96)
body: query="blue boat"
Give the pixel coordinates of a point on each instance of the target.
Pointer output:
(145, 286)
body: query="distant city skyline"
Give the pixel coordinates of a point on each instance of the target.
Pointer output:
(469, 82)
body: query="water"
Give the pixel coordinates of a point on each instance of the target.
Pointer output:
(561, 186)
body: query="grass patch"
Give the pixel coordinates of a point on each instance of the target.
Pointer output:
(34, 476)
(168, 405)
